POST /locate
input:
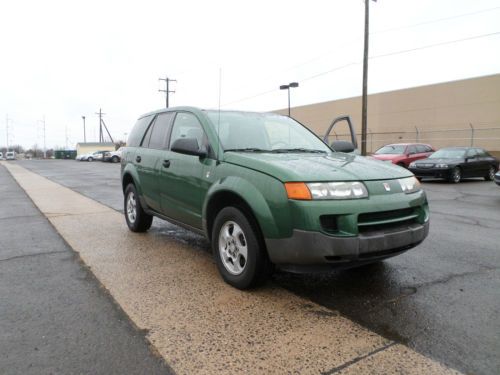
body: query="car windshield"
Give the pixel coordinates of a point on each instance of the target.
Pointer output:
(448, 153)
(391, 149)
(263, 132)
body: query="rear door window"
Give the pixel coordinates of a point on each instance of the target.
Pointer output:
(421, 149)
(137, 133)
(411, 150)
(159, 132)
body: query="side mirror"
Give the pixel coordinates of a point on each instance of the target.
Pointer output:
(188, 146)
(342, 146)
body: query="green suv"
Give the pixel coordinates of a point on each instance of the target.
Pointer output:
(266, 191)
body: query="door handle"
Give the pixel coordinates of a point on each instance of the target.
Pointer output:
(166, 163)
(138, 159)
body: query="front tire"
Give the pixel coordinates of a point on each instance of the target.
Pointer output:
(137, 219)
(115, 159)
(491, 174)
(239, 249)
(90, 159)
(456, 175)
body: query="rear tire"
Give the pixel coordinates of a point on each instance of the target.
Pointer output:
(456, 175)
(90, 159)
(491, 174)
(137, 219)
(239, 249)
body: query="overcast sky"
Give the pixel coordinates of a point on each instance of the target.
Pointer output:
(66, 59)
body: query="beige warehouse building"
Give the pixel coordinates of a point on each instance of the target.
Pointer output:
(458, 113)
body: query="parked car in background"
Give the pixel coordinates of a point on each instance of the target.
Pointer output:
(113, 156)
(10, 155)
(455, 163)
(1, 155)
(96, 155)
(266, 191)
(497, 178)
(403, 154)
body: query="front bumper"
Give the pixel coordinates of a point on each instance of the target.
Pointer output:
(497, 179)
(432, 172)
(305, 248)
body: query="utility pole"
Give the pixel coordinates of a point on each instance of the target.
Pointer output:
(100, 113)
(364, 104)
(167, 91)
(84, 135)
(101, 124)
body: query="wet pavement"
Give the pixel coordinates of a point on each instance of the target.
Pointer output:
(441, 298)
(54, 316)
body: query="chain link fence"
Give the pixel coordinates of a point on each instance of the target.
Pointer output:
(485, 137)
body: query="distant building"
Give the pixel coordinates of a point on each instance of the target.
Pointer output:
(89, 147)
(457, 113)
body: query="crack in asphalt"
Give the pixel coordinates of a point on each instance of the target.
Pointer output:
(33, 255)
(468, 220)
(358, 359)
(411, 290)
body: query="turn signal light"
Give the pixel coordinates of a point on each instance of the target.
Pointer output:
(297, 190)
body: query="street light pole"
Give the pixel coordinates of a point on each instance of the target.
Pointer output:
(364, 105)
(84, 134)
(287, 87)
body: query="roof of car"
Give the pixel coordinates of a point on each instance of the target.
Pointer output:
(199, 110)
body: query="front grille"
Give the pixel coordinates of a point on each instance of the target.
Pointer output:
(388, 227)
(370, 217)
(387, 220)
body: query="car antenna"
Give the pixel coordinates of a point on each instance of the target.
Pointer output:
(218, 117)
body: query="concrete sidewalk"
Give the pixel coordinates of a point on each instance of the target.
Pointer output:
(197, 322)
(54, 315)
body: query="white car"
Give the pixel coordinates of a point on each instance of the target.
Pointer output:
(113, 156)
(1, 155)
(97, 155)
(10, 155)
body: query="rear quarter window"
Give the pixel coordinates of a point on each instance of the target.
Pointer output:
(135, 137)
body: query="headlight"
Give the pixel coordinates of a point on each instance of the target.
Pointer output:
(412, 165)
(442, 165)
(409, 184)
(337, 190)
(325, 190)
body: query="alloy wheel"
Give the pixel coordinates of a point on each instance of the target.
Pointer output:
(233, 247)
(131, 207)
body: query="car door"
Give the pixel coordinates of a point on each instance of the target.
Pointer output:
(149, 158)
(185, 179)
(472, 165)
(484, 161)
(412, 155)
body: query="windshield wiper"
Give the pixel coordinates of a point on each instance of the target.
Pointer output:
(248, 149)
(286, 150)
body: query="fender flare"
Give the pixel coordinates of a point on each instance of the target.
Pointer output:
(249, 194)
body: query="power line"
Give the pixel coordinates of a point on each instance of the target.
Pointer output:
(341, 67)
(389, 30)
(434, 21)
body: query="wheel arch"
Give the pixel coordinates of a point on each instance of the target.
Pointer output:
(242, 194)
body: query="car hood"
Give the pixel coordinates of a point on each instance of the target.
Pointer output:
(439, 161)
(307, 167)
(386, 156)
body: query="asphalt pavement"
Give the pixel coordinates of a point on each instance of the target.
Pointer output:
(55, 317)
(441, 298)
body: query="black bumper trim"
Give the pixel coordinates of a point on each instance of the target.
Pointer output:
(315, 248)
